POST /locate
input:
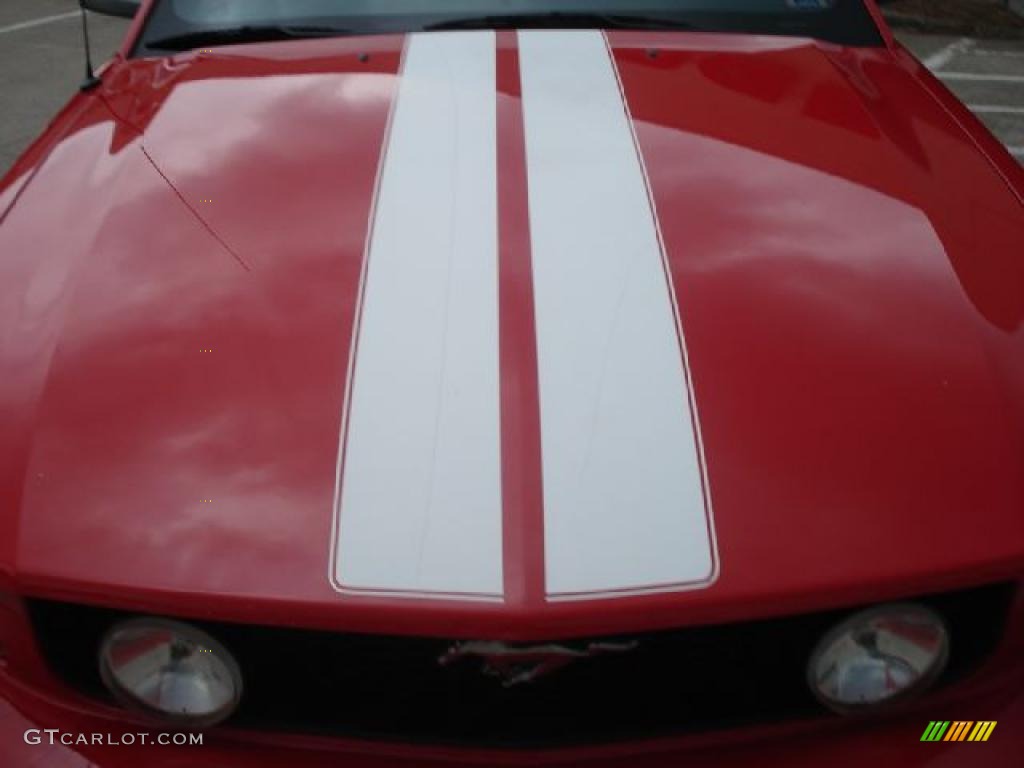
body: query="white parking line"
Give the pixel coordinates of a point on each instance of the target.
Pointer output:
(943, 56)
(980, 77)
(1016, 151)
(989, 52)
(995, 109)
(38, 22)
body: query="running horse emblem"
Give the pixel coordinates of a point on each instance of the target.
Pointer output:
(518, 664)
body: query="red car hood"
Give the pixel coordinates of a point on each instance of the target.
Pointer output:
(183, 278)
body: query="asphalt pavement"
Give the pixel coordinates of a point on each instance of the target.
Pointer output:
(987, 75)
(41, 65)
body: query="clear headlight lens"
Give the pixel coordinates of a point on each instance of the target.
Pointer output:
(879, 656)
(170, 670)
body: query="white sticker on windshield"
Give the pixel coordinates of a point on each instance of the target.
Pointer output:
(810, 5)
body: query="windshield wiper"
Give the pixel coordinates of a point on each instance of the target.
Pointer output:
(245, 34)
(563, 20)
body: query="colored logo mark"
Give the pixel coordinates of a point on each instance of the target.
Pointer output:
(958, 730)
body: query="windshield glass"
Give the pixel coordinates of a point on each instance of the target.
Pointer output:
(182, 24)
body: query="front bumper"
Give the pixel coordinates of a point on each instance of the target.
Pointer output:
(34, 700)
(894, 740)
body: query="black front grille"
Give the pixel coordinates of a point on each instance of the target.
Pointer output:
(392, 688)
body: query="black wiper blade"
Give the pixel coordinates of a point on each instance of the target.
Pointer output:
(245, 34)
(563, 20)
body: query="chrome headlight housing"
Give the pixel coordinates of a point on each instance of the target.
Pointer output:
(878, 656)
(171, 671)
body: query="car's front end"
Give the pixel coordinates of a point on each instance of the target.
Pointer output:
(512, 392)
(729, 694)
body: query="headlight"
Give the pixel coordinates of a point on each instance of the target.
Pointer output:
(878, 656)
(171, 671)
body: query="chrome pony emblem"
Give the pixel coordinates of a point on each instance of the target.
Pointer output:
(517, 664)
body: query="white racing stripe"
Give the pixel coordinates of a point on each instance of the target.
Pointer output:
(624, 509)
(420, 497)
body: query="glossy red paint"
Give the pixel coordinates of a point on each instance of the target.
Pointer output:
(846, 312)
(522, 491)
(135, 29)
(845, 244)
(277, 318)
(823, 215)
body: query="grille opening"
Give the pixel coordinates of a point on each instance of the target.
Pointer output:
(389, 688)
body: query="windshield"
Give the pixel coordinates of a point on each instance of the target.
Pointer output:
(182, 24)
